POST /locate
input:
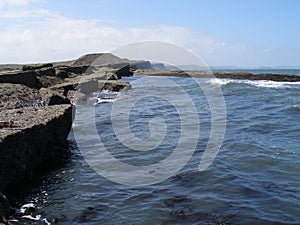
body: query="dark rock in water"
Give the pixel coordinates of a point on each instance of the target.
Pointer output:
(5, 209)
(121, 69)
(229, 75)
(176, 199)
(90, 213)
(182, 212)
(124, 72)
(54, 220)
(250, 76)
(36, 66)
(52, 97)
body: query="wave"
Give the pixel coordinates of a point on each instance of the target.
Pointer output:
(296, 106)
(256, 83)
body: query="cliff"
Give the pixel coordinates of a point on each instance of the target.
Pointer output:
(36, 112)
(37, 135)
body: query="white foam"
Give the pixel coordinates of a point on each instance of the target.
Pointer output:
(257, 83)
(37, 217)
(297, 106)
(266, 83)
(24, 207)
(220, 82)
(46, 221)
(101, 100)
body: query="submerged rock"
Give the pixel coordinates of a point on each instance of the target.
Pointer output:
(176, 199)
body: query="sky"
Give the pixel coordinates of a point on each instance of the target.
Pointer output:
(222, 32)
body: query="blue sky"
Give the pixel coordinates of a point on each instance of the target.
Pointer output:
(229, 32)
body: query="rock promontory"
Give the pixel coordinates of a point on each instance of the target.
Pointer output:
(36, 112)
(214, 74)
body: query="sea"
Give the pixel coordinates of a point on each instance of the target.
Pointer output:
(253, 174)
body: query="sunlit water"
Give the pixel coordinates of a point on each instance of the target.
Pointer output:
(253, 180)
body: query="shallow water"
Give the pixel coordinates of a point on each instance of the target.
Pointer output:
(253, 180)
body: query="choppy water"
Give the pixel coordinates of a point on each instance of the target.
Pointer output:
(253, 180)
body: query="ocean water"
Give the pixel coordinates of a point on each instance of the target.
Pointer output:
(254, 178)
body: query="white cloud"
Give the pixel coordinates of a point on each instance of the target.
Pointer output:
(16, 3)
(38, 35)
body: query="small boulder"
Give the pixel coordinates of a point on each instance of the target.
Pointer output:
(62, 73)
(46, 72)
(52, 97)
(112, 76)
(124, 71)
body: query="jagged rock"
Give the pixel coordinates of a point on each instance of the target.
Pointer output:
(12, 94)
(36, 66)
(49, 71)
(28, 78)
(88, 86)
(113, 85)
(5, 208)
(48, 81)
(90, 83)
(124, 71)
(112, 76)
(52, 97)
(78, 70)
(60, 73)
(64, 88)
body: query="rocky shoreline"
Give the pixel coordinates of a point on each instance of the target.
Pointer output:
(37, 107)
(36, 114)
(228, 75)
